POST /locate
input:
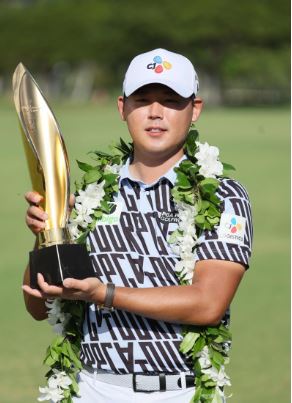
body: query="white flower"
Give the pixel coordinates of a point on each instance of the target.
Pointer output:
(73, 229)
(56, 317)
(87, 200)
(59, 380)
(91, 197)
(53, 394)
(184, 244)
(54, 312)
(83, 215)
(220, 377)
(207, 157)
(226, 347)
(58, 328)
(56, 384)
(204, 358)
(186, 269)
(114, 169)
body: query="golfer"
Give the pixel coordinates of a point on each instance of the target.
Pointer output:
(130, 351)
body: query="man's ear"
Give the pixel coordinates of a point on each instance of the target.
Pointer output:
(197, 109)
(121, 104)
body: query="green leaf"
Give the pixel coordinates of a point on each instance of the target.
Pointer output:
(210, 383)
(98, 214)
(188, 342)
(209, 185)
(207, 394)
(213, 210)
(204, 205)
(199, 345)
(219, 339)
(82, 238)
(217, 358)
(190, 143)
(83, 166)
(217, 398)
(49, 361)
(74, 384)
(197, 370)
(105, 206)
(54, 354)
(110, 179)
(228, 167)
(66, 393)
(209, 181)
(200, 219)
(197, 396)
(66, 362)
(57, 342)
(224, 332)
(125, 149)
(214, 199)
(73, 356)
(213, 221)
(184, 166)
(182, 180)
(214, 330)
(193, 171)
(93, 175)
(103, 154)
(189, 198)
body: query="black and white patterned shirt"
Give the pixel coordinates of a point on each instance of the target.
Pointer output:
(130, 248)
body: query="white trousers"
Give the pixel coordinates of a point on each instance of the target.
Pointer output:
(93, 391)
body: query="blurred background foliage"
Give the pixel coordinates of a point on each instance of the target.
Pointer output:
(78, 52)
(241, 50)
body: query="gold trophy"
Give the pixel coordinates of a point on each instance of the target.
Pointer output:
(57, 256)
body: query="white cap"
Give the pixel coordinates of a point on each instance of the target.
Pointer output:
(162, 67)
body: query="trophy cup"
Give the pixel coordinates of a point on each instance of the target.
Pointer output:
(56, 257)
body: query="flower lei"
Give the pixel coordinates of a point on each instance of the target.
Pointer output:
(199, 209)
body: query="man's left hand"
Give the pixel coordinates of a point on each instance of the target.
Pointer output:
(89, 289)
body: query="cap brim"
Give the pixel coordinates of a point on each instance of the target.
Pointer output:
(185, 93)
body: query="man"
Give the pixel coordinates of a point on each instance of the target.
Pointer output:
(143, 333)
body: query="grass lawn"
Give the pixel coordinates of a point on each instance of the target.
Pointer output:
(256, 141)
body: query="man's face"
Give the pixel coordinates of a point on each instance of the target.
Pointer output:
(158, 119)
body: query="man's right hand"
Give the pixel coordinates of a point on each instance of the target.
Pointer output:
(35, 215)
(35, 220)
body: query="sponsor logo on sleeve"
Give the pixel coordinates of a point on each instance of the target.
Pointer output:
(232, 229)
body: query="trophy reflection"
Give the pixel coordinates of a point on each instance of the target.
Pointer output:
(57, 256)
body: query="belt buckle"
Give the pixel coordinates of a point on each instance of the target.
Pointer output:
(162, 384)
(135, 389)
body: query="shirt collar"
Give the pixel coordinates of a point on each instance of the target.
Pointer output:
(170, 174)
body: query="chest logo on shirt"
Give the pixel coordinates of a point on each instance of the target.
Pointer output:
(113, 217)
(169, 217)
(232, 228)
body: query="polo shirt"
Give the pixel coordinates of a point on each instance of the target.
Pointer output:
(130, 248)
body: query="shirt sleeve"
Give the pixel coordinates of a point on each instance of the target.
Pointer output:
(231, 239)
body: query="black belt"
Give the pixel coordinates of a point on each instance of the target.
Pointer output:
(144, 382)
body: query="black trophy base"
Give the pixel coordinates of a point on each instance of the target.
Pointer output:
(58, 262)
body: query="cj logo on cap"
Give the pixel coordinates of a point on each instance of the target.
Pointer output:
(159, 65)
(232, 228)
